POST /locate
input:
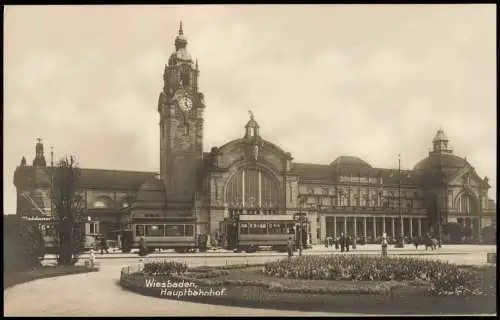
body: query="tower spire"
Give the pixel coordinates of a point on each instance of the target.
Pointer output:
(181, 32)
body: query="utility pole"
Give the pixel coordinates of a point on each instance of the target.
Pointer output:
(52, 181)
(300, 226)
(401, 242)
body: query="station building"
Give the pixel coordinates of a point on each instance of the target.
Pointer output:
(255, 176)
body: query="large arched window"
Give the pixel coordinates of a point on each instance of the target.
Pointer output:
(252, 188)
(466, 204)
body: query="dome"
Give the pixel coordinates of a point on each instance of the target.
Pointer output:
(348, 161)
(252, 123)
(151, 191)
(441, 160)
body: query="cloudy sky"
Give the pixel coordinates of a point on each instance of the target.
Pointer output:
(322, 80)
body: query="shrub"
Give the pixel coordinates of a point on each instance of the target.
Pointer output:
(454, 230)
(445, 278)
(489, 234)
(164, 267)
(23, 245)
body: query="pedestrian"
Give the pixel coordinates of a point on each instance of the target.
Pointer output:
(342, 242)
(347, 243)
(384, 244)
(290, 247)
(142, 247)
(92, 258)
(336, 240)
(415, 242)
(103, 245)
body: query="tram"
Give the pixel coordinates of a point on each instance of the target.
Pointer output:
(251, 232)
(47, 227)
(161, 235)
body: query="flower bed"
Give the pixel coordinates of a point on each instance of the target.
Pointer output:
(249, 287)
(164, 267)
(445, 278)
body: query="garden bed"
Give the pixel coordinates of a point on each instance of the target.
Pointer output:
(11, 279)
(255, 286)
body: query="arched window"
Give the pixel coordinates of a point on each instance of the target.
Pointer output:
(252, 188)
(126, 202)
(466, 204)
(103, 202)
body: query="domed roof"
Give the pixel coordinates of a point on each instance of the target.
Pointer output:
(181, 53)
(180, 40)
(436, 160)
(252, 123)
(152, 190)
(348, 161)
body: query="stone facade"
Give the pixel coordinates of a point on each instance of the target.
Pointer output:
(255, 175)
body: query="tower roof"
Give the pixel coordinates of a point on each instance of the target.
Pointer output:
(181, 54)
(180, 40)
(440, 136)
(252, 123)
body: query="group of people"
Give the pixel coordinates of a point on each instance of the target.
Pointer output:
(428, 241)
(344, 242)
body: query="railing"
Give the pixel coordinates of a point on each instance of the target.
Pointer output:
(129, 270)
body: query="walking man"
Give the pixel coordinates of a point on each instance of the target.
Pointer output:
(342, 242)
(290, 247)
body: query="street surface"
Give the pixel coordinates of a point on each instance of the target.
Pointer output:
(98, 294)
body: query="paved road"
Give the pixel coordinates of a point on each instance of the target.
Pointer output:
(97, 294)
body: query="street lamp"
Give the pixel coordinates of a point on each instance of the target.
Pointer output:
(300, 217)
(235, 222)
(401, 242)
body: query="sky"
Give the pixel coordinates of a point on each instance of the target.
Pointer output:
(372, 81)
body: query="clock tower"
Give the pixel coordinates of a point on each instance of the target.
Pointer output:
(181, 107)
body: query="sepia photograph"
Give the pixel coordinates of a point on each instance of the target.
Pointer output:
(250, 160)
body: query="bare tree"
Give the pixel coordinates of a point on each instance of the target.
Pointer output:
(70, 224)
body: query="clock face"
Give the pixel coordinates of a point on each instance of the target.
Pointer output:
(186, 104)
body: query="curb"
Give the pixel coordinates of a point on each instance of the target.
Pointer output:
(278, 254)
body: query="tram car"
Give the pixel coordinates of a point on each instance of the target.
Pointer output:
(161, 235)
(251, 232)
